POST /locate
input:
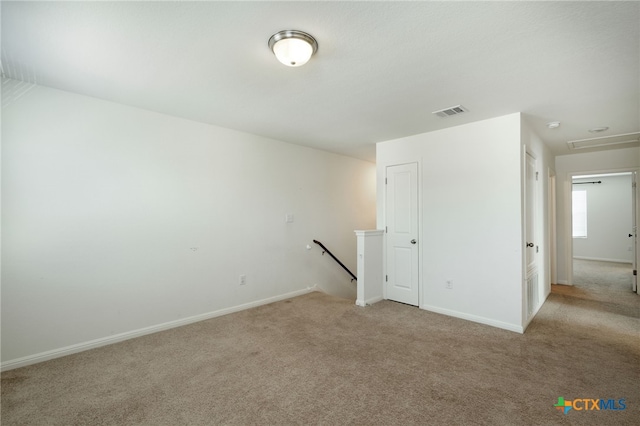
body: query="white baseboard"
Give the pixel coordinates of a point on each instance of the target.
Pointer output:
(602, 259)
(475, 318)
(92, 344)
(374, 300)
(371, 301)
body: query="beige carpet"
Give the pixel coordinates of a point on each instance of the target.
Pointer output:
(317, 359)
(607, 278)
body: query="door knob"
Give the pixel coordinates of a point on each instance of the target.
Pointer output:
(529, 244)
(413, 241)
(630, 235)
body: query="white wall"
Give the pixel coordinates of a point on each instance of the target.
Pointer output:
(609, 220)
(471, 225)
(118, 219)
(567, 165)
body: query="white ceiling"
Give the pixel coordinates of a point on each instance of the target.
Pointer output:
(381, 67)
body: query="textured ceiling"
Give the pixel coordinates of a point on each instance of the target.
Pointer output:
(381, 67)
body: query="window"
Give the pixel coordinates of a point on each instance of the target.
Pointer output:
(579, 214)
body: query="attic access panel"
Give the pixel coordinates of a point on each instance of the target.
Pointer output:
(623, 139)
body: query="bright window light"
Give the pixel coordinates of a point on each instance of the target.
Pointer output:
(579, 214)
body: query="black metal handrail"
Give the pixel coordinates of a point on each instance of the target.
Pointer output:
(336, 259)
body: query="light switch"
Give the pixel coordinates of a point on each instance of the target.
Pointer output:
(288, 218)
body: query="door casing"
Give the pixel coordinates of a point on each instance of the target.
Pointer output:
(412, 296)
(568, 236)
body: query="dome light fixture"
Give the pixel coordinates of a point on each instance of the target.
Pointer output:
(292, 47)
(598, 129)
(553, 124)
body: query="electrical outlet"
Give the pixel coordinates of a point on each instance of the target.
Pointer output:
(243, 279)
(449, 284)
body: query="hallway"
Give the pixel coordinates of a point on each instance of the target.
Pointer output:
(602, 286)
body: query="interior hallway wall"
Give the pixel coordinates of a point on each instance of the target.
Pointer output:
(469, 187)
(117, 219)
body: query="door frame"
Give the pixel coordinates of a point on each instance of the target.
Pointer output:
(383, 213)
(568, 219)
(634, 226)
(553, 235)
(538, 236)
(534, 221)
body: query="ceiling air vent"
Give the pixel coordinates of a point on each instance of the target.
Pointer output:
(448, 112)
(626, 138)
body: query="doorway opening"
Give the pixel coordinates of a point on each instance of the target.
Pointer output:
(603, 231)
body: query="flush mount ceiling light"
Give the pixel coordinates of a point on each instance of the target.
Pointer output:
(293, 48)
(553, 124)
(598, 129)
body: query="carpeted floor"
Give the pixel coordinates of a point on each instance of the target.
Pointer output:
(607, 278)
(317, 359)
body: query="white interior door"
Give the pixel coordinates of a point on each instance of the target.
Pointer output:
(402, 233)
(530, 214)
(531, 238)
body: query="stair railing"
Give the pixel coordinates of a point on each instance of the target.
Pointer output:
(326, 250)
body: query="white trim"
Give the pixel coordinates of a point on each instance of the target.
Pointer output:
(371, 301)
(374, 300)
(92, 344)
(552, 219)
(421, 286)
(563, 282)
(475, 318)
(568, 230)
(568, 213)
(602, 175)
(369, 232)
(603, 260)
